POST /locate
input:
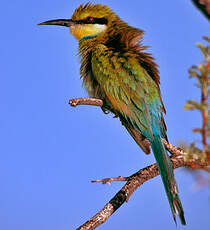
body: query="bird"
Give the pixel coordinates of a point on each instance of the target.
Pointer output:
(116, 69)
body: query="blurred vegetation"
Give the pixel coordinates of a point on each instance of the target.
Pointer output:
(199, 152)
(203, 6)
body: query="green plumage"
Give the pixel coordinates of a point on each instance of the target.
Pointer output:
(115, 69)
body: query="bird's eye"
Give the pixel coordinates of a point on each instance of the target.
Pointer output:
(89, 19)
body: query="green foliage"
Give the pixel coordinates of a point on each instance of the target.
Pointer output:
(201, 73)
(194, 105)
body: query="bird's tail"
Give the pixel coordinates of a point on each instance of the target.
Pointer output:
(166, 172)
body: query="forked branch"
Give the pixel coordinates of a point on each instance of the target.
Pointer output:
(133, 181)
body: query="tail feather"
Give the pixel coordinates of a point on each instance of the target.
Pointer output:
(166, 172)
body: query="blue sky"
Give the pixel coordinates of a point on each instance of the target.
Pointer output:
(50, 152)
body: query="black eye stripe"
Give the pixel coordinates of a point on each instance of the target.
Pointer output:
(102, 21)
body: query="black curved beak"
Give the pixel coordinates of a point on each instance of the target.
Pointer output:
(58, 22)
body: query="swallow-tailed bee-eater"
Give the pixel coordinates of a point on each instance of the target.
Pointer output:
(116, 69)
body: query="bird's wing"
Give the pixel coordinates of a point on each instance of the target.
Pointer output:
(133, 94)
(135, 97)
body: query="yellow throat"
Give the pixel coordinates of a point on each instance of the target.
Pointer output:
(82, 31)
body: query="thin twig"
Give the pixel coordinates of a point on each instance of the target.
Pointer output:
(85, 101)
(126, 191)
(204, 125)
(109, 180)
(204, 101)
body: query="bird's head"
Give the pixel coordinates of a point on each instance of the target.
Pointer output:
(89, 20)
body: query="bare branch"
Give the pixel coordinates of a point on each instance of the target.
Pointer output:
(173, 149)
(133, 181)
(126, 191)
(109, 180)
(85, 101)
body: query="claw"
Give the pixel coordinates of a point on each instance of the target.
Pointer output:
(105, 110)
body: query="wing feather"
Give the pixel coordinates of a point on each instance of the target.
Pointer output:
(133, 94)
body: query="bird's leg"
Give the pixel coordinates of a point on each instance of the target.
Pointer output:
(86, 101)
